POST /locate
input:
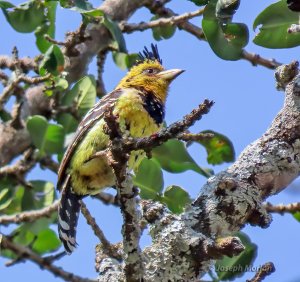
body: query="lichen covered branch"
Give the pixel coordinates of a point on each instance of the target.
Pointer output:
(186, 245)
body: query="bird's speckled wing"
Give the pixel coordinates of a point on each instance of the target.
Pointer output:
(94, 115)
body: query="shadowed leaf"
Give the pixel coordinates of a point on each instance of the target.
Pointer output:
(231, 268)
(176, 198)
(149, 179)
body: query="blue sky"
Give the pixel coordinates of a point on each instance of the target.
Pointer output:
(246, 101)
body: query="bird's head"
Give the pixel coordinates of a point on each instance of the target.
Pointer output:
(149, 74)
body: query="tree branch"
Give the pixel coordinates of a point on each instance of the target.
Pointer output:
(29, 216)
(265, 270)
(157, 7)
(43, 263)
(174, 20)
(108, 248)
(183, 246)
(281, 209)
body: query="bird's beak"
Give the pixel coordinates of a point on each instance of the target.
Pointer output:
(169, 75)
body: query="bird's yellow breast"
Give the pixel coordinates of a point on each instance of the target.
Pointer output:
(90, 176)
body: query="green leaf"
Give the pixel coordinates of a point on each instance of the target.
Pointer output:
(26, 17)
(53, 61)
(174, 157)
(76, 5)
(83, 94)
(6, 5)
(48, 138)
(6, 197)
(124, 60)
(46, 242)
(43, 241)
(275, 21)
(199, 2)
(7, 193)
(231, 268)
(296, 215)
(48, 27)
(163, 32)
(176, 198)
(116, 33)
(5, 116)
(219, 148)
(226, 40)
(95, 13)
(15, 205)
(149, 179)
(41, 195)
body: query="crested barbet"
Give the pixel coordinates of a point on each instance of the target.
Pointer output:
(138, 103)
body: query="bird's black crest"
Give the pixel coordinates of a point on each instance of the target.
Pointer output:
(149, 55)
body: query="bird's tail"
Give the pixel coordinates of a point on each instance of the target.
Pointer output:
(68, 214)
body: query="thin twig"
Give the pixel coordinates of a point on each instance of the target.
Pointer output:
(53, 41)
(28, 254)
(26, 64)
(108, 248)
(173, 20)
(101, 57)
(19, 170)
(187, 137)
(9, 89)
(49, 163)
(281, 208)
(264, 271)
(29, 216)
(157, 8)
(172, 131)
(74, 38)
(107, 199)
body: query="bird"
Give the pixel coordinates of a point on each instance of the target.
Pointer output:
(138, 103)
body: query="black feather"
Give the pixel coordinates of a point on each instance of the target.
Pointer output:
(68, 213)
(149, 55)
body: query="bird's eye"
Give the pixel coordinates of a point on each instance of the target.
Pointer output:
(150, 71)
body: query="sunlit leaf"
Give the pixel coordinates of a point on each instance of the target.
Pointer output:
(176, 198)
(45, 136)
(219, 148)
(25, 17)
(273, 24)
(174, 157)
(6, 197)
(296, 215)
(226, 40)
(48, 27)
(83, 97)
(116, 33)
(47, 241)
(164, 31)
(149, 179)
(124, 60)
(231, 268)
